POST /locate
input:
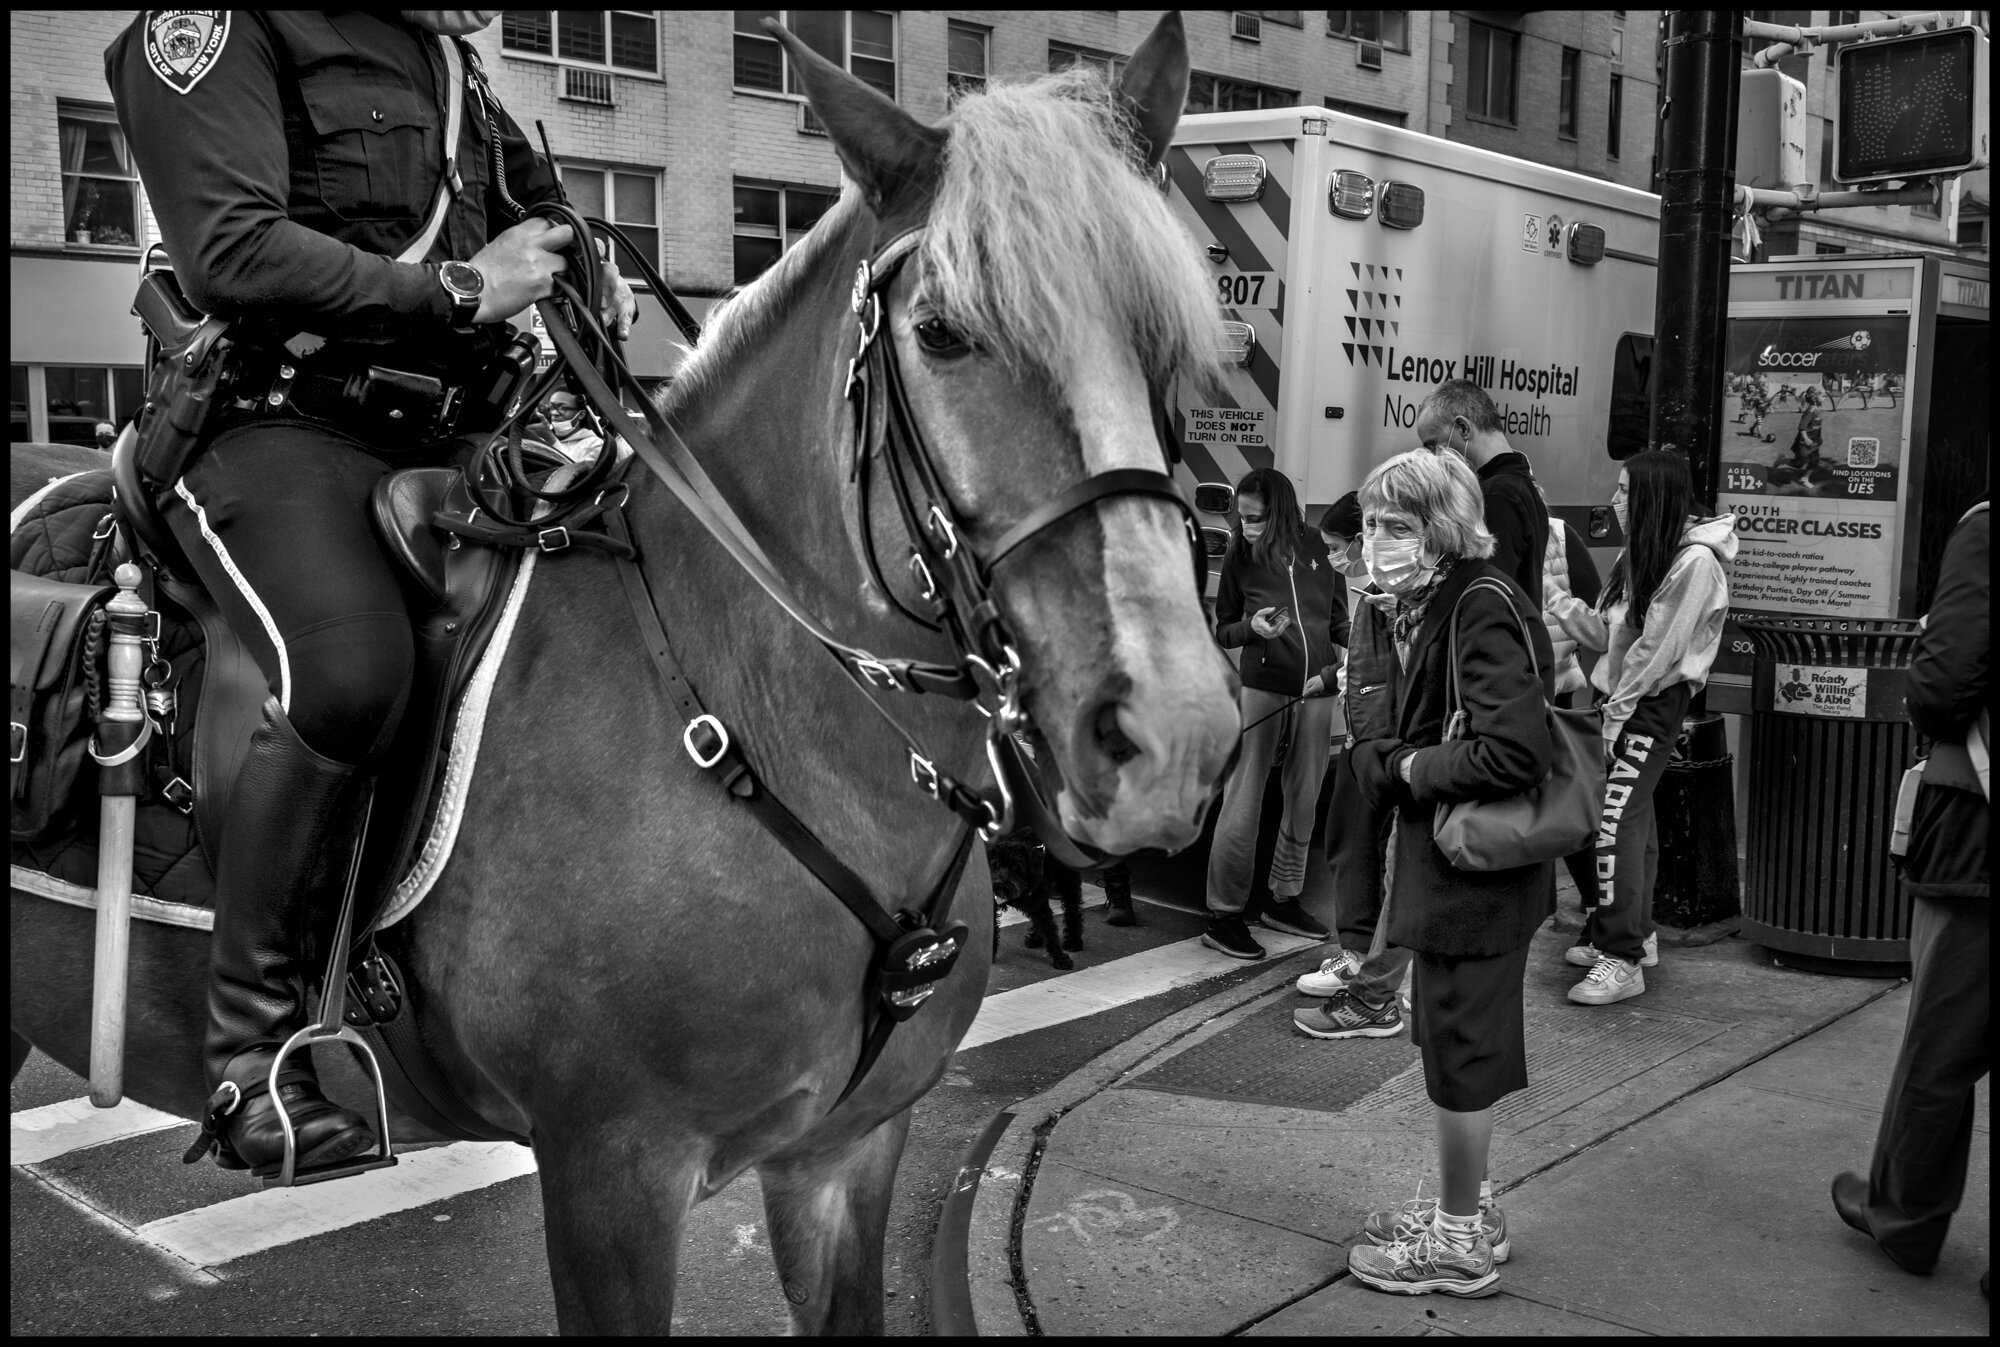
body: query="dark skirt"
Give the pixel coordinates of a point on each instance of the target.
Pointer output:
(1465, 1016)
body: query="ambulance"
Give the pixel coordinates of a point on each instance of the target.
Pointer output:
(1360, 265)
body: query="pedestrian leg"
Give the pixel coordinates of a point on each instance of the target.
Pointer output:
(1619, 925)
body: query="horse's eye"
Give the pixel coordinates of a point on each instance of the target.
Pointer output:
(938, 339)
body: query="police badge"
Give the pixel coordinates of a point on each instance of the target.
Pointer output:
(182, 44)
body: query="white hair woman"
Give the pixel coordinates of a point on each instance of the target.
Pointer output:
(1425, 543)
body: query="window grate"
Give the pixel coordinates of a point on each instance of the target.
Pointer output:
(587, 86)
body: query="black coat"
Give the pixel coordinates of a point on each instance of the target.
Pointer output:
(1434, 907)
(1517, 517)
(1310, 587)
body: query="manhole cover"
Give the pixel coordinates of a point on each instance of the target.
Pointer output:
(1572, 1055)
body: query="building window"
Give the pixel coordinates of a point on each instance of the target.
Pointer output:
(81, 396)
(965, 61)
(1489, 92)
(1213, 93)
(1383, 115)
(1972, 235)
(628, 198)
(1566, 104)
(862, 41)
(17, 392)
(1836, 18)
(100, 186)
(1614, 116)
(1618, 46)
(1291, 18)
(1063, 55)
(1390, 27)
(616, 39)
(771, 217)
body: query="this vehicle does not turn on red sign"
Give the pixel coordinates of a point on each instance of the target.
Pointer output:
(1807, 690)
(1248, 426)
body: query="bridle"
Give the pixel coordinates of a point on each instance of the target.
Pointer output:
(916, 946)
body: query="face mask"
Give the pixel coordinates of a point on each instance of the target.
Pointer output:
(1395, 564)
(1348, 561)
(1619, 510)
(450, 22)
(1252, 532)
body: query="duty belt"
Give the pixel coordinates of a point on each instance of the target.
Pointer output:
(386, 408)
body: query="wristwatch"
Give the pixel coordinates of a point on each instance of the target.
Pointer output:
(463, 283)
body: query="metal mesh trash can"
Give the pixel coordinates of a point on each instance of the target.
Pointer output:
(1829, 741)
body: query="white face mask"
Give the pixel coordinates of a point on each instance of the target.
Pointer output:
(1348, 562)
(1618, 509)
(1395, 564)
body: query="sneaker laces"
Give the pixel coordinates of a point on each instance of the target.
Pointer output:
(1604, 970)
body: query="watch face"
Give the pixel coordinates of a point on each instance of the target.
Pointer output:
(463, 279)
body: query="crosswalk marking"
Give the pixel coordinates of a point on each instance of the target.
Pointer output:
(1090, 991)
(217, 1234)
(38, 1134)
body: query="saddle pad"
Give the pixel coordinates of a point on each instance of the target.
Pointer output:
(436, 849)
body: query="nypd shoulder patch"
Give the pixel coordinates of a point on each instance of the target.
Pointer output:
(182, 45)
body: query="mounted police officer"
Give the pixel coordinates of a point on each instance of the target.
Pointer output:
(290, 157)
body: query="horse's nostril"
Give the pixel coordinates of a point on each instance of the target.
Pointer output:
(1110, 736)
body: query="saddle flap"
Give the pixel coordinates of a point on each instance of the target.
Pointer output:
(44, 618)
(401, 508)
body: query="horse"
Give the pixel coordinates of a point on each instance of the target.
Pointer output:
(619, 963)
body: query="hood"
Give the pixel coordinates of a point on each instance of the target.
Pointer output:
(1717, 534)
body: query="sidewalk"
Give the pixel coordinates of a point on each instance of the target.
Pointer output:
(1666, 1172)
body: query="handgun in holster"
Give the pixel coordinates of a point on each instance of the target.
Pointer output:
(190, 379)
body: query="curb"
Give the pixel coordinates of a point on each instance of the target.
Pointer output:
(995, 1284)
(951, 1288)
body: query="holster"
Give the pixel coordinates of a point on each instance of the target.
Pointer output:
(185, 392)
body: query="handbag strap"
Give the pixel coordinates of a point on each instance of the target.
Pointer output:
(1451, 638)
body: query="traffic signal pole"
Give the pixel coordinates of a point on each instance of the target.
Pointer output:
(1697, 876)
(1697, 185)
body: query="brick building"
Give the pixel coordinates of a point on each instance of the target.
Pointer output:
(682, 127)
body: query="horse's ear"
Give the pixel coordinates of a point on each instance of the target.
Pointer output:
(883, 148)
(1155, 87)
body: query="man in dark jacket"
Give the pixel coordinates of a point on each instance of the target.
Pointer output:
(1460, 417)
(1918, 1176)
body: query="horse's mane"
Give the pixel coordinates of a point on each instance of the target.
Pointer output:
(1041, 214)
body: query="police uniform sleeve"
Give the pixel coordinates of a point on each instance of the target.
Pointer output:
(213, 157)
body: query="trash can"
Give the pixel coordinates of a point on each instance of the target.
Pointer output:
(1829, 740)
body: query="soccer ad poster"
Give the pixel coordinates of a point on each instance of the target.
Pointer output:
(1814, 411)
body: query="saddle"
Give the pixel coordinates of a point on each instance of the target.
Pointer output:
(457, 592)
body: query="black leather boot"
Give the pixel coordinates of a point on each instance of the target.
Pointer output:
(292, 832)
(1118, 897)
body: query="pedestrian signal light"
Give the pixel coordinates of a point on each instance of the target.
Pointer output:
(1233, 177)
(1911, 106)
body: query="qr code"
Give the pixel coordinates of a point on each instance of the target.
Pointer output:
(1864, 452)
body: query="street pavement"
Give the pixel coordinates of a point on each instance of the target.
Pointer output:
(1666, 1172)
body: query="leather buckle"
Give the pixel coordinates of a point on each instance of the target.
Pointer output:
(553, 539)
(715, 728)
(878, 674)
(924, 772)
(179, 794)
(17, 741)
(941, 525)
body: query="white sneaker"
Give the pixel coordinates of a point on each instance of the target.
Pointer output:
(1584, 956)
(1331, 975)
(1610, 980)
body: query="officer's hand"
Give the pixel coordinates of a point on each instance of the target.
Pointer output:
(620, 310)
(520, 267)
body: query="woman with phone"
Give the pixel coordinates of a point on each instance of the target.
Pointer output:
(1277, 600)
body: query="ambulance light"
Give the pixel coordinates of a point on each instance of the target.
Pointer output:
(1402, 205)
(1233, 177)
(1586, 244)
(1214, 541)
(1351, 194)
(1239, 340)
(1214, 497)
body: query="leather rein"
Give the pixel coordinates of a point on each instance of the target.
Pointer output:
(916, 946)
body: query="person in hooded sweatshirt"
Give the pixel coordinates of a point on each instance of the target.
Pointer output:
(1658, 623)
(1279, 599)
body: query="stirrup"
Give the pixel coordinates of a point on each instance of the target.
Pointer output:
(332, 1007)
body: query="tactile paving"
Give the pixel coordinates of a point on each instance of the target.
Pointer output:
(1573, 1053)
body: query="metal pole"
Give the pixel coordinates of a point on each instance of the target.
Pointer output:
(121, 736)
(1697, 183)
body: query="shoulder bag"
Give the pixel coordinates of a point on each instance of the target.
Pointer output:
(49, 734)
(1545, 822)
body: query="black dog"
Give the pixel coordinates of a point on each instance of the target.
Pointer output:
(1024, 878)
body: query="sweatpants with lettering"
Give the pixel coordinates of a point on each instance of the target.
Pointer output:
(1307, 730)
(1628, 834)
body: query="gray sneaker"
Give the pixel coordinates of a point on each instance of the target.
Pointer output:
(1415, 1216)
(1426, 1263)
(1345, 1015)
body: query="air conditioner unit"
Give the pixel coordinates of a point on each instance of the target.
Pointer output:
(1368, 55)
(586, 86)
(1249, 27)
(810, 124)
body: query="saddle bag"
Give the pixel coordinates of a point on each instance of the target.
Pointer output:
(48, 732)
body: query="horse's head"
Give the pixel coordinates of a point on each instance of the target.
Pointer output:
(1051, 300)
